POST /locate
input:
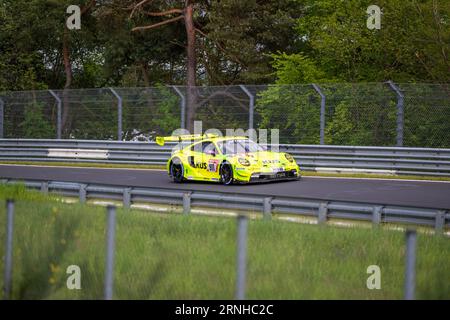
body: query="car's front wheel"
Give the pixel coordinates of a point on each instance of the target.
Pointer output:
(177, 172)
(226, 174)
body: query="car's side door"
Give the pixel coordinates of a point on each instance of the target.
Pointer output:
(195, 161)
(210, 159)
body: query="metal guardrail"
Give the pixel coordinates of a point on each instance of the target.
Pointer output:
(322, 210)
(390, 160)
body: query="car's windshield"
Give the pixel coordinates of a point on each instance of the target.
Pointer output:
(239, 146)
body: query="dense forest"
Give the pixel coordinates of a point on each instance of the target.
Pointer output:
(151, 43)
(289, 41)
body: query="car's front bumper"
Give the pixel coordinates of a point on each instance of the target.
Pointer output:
(267, 175)
(270, 176)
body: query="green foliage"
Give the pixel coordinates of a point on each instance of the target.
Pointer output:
(338, 47)
(151, 112)
(286, 42)
(410, 46)
(166, 116)
(243, 34)
(296, 68)
(35, 125)
(294, 110)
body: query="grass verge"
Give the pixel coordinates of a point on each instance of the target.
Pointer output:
(173, 256)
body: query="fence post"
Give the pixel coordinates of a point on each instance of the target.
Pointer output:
(323, 212)
(182, 107)
(119, 114)
(110, 247)
(410, 272)
(400, 112)
(322, 112)
(126, 197)
(267, 208)
(2, 116)
(83, 193)
(58, 117)
(9, 249)
(251, 106)
(186, 203)
(44, 187)
(241, 257)
(376, 215)
(440, 221)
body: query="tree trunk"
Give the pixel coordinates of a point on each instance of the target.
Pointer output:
(191, 67)
(68, 72)
(145, 75)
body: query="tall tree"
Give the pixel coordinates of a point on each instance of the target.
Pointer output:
(185, 13)
(66, 53)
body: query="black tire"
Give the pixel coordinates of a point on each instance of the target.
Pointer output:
(177, 172)
(226, 174)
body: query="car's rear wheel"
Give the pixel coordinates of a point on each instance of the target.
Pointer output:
(177, 172)
(226, 174)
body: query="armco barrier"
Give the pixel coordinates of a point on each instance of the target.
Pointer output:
(322, 210)
(388, 160)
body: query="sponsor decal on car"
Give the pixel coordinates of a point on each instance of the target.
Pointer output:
(200, 165)
(213, 164)
(270, 161)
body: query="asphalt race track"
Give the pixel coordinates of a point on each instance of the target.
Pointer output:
(390, 192)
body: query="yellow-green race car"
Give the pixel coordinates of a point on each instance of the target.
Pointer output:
(226, 160)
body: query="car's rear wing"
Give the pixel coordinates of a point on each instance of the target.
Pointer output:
(188, 137)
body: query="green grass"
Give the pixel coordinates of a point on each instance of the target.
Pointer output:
(170, 256)
(159, 167)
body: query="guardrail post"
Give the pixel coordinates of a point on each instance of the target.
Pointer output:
(410, 272)
(7, 286)
(400, 112)
(241, 257)
(376, 215)
(126, 197)
(110, 247)
(59, 112)
(44, 187)
(267, 208)
(323, 213)
(440, 221)
(322, 112)
(119, 114)
(182, 107)
(251, 106)
(83, 193)
(186, 203)
(2, 117)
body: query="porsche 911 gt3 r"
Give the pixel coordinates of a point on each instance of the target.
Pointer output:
(227, 160)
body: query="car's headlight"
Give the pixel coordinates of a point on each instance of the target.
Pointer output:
(244, 162)
(289, 157)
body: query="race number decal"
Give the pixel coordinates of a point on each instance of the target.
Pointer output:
(212, 165)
